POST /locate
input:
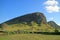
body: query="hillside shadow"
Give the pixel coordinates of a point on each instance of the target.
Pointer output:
(25, 32)
(47, 33)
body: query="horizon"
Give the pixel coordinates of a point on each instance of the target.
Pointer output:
(14, 8)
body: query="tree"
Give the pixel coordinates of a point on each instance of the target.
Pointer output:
(56, 30)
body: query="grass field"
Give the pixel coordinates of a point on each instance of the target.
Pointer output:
(29, 37)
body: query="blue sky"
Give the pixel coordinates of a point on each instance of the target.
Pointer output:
(13, 8)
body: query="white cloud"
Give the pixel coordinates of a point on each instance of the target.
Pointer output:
(52, 6)
(59, 24)
(51, 2)
(51, 19)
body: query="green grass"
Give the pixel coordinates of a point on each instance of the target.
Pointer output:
(24, 27)
(29, 37)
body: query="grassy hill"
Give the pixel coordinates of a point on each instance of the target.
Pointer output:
(27, 27)
(31, 22)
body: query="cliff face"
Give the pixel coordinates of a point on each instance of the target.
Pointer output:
(36, 17)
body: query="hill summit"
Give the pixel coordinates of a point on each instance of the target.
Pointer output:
(53, 24)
